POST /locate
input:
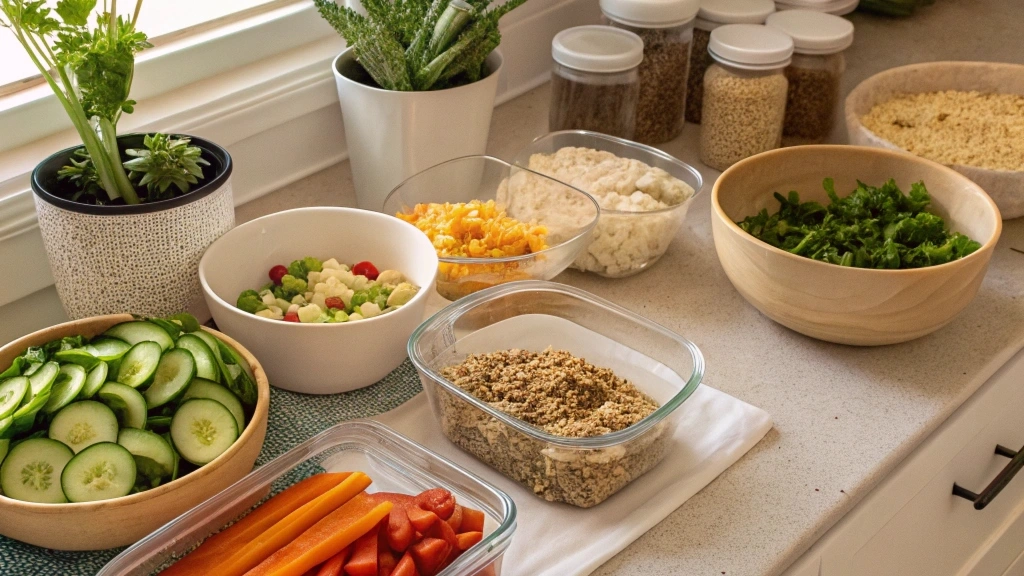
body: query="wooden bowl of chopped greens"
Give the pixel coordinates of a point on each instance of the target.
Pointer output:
(966, 115)
(123, 489)
(852, 244)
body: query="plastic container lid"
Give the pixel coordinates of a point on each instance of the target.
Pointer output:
(651, 13)
(750, 46)
(813, 32)
(834, 7)
(714, 13)
(597, 49)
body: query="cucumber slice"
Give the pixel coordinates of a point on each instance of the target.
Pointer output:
(139, 364)
(176, 369)
(25, 417)
(5, 424)
(127, 403)
(206, 362)
(79, 356)
(173, 330)
(5, 447)
(212, 342)
(100, 472)
(66, 387)
(32, 470)
(161, 423)
(177, 457)
(203, 429)
(107, 349)
(82, 424)
(94, 380)
(201, 388)
(12, 392)
(32, 368)
(154, 458)
(43, 378)
(242, 380)
(140, 331)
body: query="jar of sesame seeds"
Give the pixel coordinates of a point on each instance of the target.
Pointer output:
(815, 73)
(744, 93)
(666, 28)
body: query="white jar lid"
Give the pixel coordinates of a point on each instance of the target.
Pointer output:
(813, 32)
(714, 13)
(650, 13)
(597, 49)
(750, 46)
(834, 7)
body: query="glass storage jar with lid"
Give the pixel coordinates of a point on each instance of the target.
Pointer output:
(744, 93)
(666, 27)
(712, 14)
(815, 74)
(595, 81)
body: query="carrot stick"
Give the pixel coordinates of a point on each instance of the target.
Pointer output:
(291, 526)
(334, 566)
(333, 533)
(222, 545)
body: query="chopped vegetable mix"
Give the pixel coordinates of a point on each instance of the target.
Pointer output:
(314, 292)
(873, 227)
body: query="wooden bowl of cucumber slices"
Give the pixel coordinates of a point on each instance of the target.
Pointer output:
(112, 426)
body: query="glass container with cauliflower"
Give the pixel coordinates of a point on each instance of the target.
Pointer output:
(644, 196)
(310, 291)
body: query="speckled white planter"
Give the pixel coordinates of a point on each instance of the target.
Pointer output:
(141, 259)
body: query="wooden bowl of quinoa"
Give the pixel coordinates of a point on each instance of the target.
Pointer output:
(966, 115)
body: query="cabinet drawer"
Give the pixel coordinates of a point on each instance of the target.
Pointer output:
(937, 533)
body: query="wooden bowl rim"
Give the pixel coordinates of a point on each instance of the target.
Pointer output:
(984, 252)
(259, 416)
(853, 120)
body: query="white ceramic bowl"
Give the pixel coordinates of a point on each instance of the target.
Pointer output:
(318, 358)
(1005, 187)
(860, 306)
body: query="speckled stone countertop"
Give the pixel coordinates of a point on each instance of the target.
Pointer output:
(844, 417)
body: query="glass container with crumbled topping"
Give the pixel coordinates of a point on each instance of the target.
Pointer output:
(535, 315)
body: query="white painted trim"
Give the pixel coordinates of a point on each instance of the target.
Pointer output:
(279, 128)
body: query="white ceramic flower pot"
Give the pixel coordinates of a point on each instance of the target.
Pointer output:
(141, 259)
(392, 135)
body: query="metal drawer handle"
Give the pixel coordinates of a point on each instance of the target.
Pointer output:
(998, 483)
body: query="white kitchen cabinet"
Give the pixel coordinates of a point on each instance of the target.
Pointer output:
(911, 524)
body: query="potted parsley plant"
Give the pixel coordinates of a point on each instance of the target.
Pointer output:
(416, 85)
(124, 218)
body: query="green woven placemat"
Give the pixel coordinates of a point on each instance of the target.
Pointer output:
(294, 418)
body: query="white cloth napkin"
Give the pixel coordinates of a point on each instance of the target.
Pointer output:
(714, 431)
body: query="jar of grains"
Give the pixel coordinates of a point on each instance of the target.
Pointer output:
(595, 82)
(666, 27)
(712, 14)
(744, 93)
(814, 76)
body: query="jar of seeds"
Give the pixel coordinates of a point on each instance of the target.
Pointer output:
(712, 14)
(666, 27)
(816, 72)
(744, 93)
(595, 82)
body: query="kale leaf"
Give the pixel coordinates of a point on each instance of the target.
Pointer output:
(873, 227)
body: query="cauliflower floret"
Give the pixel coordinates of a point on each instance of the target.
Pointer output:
(299, 299)
(360, 283)
(369, 310)
(320, 299)
(293, 309)
(331, 264)
(320, 288)
(313, 277)
(390, 278)
(275, 310)
(309, 313)
(268, 298)
(267, 313)
(355, 316)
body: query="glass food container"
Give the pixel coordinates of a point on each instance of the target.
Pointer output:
(568, 214)
(744, 93)
(394, 463)
(712, 14)
(534, 315)
(816, 72)
(595, 82)
(666, 28)
(624, 243)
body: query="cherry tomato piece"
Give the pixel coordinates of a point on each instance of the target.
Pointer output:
(335, 302)
(291, 317)
(276, 273)
(366, 268)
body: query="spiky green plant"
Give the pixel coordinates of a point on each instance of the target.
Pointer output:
(416, 45)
